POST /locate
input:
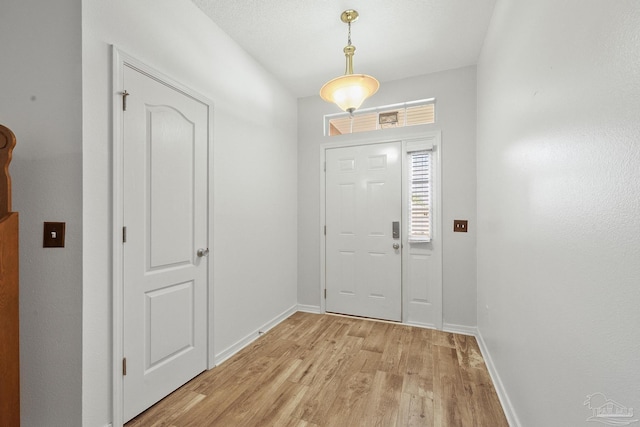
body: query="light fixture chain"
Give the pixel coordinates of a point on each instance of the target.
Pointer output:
(349, 38)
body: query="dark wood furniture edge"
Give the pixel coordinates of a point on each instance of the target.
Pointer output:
(7, 142)
(9, 291)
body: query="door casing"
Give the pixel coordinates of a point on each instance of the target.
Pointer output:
(405, 134)
(121, 59)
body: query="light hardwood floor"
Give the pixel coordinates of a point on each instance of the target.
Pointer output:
(325, 370)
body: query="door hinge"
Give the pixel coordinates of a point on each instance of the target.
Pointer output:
(325, 293)
(325, 230)
(124, 234)
(324, 167)
(124, 366)
(124, 100)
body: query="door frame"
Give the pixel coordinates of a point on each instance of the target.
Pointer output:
(120, 60)
(404, 135)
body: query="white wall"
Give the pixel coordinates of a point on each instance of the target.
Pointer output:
(558, 203)
(455, 93)
(40, 100)
(254, 219)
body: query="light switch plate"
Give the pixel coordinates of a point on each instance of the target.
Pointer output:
(460, 225)
(53, 235)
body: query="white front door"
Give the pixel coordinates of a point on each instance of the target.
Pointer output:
(165, 176)
(363, 257)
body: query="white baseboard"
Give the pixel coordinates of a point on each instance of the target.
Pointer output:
(460, 329)
(315, 309)
(507, 407)
(242, 343)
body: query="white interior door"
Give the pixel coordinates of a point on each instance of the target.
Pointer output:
(363, 258)
(165, 176)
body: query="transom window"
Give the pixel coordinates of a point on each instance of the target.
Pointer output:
(388, 116)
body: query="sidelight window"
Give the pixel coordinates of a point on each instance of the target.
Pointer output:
(420, 196)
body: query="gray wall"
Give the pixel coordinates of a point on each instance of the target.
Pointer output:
(40, 92)
(558, 223)
(455, 93)
(254, 169)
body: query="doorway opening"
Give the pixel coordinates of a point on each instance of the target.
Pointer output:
(162, 299)
(377, 261)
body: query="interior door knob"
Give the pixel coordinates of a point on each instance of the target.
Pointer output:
(203, 252)
(396, 246)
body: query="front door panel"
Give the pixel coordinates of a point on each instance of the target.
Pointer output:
(363, 199)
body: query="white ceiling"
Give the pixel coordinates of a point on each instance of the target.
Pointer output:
(301, 42)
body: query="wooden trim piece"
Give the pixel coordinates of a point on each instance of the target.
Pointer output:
(9, 291)
(9, 326)
(7, 142)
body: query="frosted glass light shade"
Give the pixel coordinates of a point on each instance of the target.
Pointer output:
(349, 91)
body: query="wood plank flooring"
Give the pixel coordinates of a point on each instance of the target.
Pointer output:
(324, 370)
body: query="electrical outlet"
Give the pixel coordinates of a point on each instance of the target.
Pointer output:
(53, 235)
(460, 225)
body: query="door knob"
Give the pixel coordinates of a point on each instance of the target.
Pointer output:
(396, 246)
(203, 252)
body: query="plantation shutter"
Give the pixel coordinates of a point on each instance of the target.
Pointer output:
(420, 196)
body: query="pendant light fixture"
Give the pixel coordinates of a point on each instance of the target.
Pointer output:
(350, 90)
